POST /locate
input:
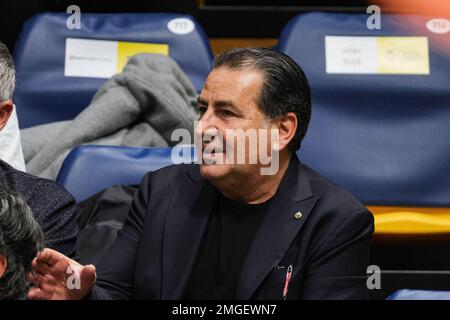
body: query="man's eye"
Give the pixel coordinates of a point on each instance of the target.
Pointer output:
(227, 113)
(202, 110)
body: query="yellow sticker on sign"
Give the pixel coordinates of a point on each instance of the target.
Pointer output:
(125, 50)
(403, 55)
(377, 55)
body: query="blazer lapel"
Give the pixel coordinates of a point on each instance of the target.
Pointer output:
(185, 224)
(278, 229)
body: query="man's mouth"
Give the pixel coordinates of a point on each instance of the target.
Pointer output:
(211, 149)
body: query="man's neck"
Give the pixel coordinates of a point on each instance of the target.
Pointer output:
(256, 188)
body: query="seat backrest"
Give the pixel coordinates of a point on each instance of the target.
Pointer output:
(89, 169)
(59, 70)
(380, 122)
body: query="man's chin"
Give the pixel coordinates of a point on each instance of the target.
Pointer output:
(213, 171)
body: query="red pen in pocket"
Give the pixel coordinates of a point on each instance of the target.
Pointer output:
(286, 282)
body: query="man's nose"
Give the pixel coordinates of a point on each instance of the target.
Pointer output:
(207, 132)
(206, 124)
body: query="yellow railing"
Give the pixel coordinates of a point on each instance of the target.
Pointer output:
(411, 223)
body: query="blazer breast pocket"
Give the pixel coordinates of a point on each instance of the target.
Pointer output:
(276, 277)
(273, 286)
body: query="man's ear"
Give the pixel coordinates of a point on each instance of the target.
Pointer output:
(3, 265)
(287, 126)
(6, 109)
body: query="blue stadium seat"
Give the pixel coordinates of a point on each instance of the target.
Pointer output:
(91, 168)
(44, 94)
(406, 294)
(383, 137)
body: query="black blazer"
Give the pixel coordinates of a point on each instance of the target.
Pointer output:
(328, 245)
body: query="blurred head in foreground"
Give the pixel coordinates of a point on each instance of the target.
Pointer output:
(21, 238)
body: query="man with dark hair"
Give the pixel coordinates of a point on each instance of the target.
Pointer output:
(21, 238)
(53, 207)
(285, 88)
(249, 222)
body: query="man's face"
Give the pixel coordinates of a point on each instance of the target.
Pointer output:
(228, 101)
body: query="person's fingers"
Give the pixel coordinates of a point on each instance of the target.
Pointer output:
(34, 264)
(34, 293)
(35, 278)
(88, 274)
(51, 287)
(58, 270)
(50, 257)
(42, 281)
(43, 268)
(37, 294)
